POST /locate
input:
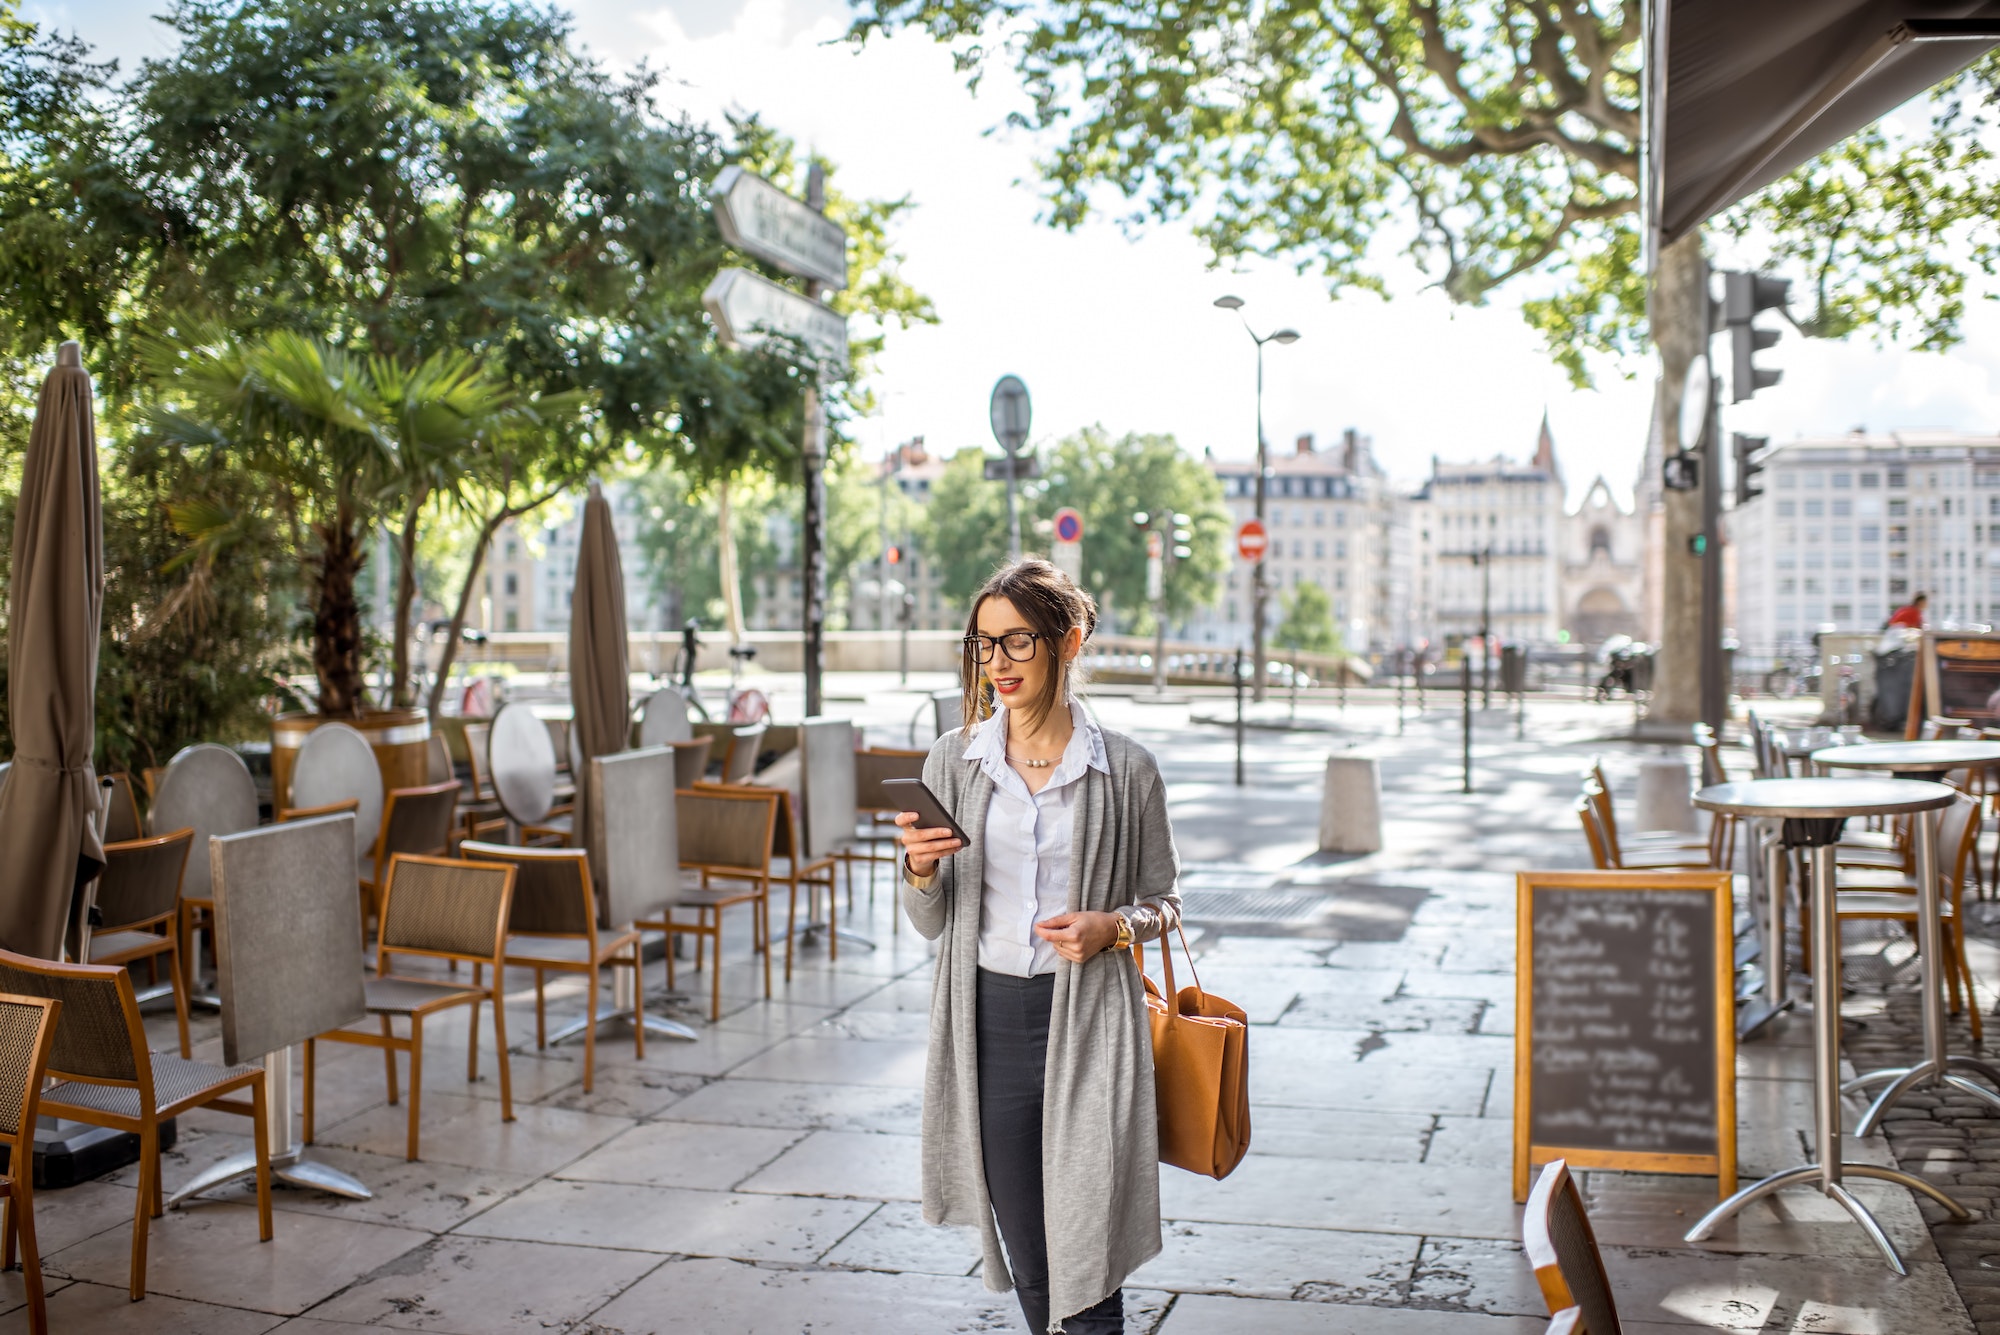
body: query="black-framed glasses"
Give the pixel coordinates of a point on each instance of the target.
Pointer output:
(1019, 646)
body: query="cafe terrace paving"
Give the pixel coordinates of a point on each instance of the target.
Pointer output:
(765, 1178)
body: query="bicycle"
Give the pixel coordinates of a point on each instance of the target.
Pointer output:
(740, 705)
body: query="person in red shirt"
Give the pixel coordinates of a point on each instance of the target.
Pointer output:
(1911, 615)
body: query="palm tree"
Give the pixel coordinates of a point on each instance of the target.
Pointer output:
(334, 441)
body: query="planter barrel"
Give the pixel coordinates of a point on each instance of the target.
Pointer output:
(398, 736)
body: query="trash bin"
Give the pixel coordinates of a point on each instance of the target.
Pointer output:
(1894, 671)
(1513, 669)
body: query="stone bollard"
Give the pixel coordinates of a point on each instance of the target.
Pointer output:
(1665, 796)
(1350, 808)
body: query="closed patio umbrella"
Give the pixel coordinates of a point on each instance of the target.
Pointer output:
(599, 684)
(49, 845)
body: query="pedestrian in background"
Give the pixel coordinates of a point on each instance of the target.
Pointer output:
(1911, 614)
(1039, 1111)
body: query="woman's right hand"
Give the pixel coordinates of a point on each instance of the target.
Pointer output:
(923, 848)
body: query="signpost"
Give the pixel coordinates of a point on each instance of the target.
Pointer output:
(1010, 413)
(1252, 541)
(1067, 549)
(759, 219)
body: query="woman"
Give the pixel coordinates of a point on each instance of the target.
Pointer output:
(1038, 1094)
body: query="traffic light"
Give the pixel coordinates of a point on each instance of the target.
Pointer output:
(1747, 468)
(1743, 295)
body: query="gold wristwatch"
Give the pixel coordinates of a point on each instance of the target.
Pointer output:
(1125, 938)
(914, 881)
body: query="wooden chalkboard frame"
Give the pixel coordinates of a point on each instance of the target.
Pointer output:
(1927, 687)
(1722, 1164)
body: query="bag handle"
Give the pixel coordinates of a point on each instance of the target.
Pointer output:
(1167, 963)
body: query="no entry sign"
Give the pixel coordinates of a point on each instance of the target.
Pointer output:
(1251, 540)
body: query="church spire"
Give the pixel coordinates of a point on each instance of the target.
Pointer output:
(1545, 447)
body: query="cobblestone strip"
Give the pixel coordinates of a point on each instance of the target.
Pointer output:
(1949, 1138)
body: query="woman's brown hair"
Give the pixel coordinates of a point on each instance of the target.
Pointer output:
(1052, 605)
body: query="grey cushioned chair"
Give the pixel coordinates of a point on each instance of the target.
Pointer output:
(439, 908)
(552, 928)
(139, 905)
(27, 1032)
(105, 1076)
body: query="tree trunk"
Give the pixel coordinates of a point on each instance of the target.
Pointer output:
(732, 590)
(336, 640)
(449, 654)
(406, 597)
(1679, 318)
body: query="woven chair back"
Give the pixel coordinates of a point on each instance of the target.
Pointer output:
(477, 738)
(873, 766)
(419, 820)
(141, 881)
(446, 907)
(98, 1035)
(552, 890)
(1557, 1237)
(728, 827)
(741, 762)
(27, 1028)
(121, 810)
(691, 761)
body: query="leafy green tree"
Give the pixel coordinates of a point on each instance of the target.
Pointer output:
(964, 528)
(1489, 141)
(1308, 621)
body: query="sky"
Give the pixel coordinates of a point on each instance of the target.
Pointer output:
(1121, 330)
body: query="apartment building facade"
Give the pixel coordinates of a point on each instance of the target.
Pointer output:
(1486, 546)
(1849, 528)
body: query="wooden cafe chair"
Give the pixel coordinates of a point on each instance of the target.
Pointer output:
(1557, 1239)
(106, 1076)
(726, 836)
(139, 901)
(433, 908)
(27, 1032)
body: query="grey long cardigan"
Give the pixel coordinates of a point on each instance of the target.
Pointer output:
(1100, 1137)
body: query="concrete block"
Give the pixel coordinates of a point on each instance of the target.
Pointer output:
(1350, 808)
(1665, 796)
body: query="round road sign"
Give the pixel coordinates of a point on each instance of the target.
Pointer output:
(1251, 540)
(1069, 525)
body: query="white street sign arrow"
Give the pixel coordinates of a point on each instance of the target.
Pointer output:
(759, 219)
(748, 308)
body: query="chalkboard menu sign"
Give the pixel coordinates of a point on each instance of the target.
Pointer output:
(1625, 1029)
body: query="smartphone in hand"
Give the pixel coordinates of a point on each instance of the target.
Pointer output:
(915, 795)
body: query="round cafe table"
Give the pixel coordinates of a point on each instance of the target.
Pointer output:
(1811, 813)
(1920, 760)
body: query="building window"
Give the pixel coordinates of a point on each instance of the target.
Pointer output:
(1319, 516)
(1871, 585)
(1871, 479)
(1787, 481)
(1897, 478)
(1842, 509)
(1815, 480)
(1843, 480)
(1898, 587)
(1871, 533)
(1786, 509)
(513, 583)
(513, 619)
(1319, 548)
(1843, 611)
(1814, 509)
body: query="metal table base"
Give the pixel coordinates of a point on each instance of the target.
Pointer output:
(1828, 1168)
(620, 1008)
(288, 1161)
(1777, 991)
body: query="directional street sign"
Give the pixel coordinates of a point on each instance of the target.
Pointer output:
(1251, 540)
(759, 219)
(1021, 467)
(749, 308)
(1010, 411)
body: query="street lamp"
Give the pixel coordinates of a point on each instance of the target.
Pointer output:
(1259, 589)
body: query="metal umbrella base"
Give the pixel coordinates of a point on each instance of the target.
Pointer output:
(288, 1161)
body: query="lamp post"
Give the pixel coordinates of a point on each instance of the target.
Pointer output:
(1259, 588)
(1167, 537)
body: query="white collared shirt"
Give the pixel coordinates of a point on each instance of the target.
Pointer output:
(1027, 844)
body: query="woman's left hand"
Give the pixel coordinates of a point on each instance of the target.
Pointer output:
(1078, 936)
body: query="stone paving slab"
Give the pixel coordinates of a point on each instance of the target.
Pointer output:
(756, 1180)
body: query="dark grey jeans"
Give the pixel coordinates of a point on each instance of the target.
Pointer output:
(1013, 1060)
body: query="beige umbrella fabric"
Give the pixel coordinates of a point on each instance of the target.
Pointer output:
(599, 669)
(49, 844)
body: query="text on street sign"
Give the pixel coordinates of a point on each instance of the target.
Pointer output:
(759, 219)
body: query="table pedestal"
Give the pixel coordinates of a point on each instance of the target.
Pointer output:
(1777, 991)
(288, 1161)
(1826, 1171)
(620, 1008)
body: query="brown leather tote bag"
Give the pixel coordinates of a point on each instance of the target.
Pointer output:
(1201, 1072)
